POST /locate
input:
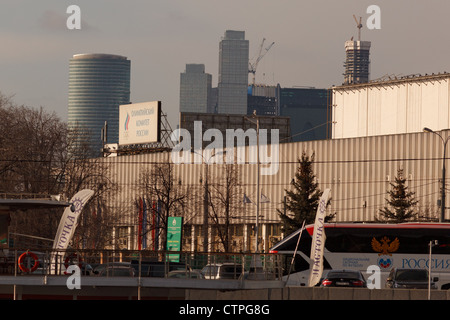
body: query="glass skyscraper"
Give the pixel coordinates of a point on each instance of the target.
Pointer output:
(233, 73)
(308, 110)
(195, 89)
(98, 84)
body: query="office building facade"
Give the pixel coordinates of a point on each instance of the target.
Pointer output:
(233, 73)
(309, 110)
(98, 85)
(195, 89)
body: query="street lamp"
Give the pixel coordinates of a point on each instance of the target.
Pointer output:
(206, 199)
(444, 141)
(258, 195)
(431, 244)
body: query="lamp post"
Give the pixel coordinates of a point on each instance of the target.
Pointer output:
(258, 195)
(444, 141)
(205, 163)
(431, 244)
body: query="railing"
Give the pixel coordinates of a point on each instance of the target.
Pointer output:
(111, 263)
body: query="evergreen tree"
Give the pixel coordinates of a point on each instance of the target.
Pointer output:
(301, 203)
(401, 202)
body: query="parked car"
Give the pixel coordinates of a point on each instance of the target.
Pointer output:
(185, 274)
(98, 269)
(344, 278)
(227, 270)
(117, 271)
(409, 279)
(159, 269)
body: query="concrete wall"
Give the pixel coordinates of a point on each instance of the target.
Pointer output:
(289, 293)
(307, 293)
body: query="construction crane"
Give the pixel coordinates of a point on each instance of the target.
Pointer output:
(359, 26)
(252, 66)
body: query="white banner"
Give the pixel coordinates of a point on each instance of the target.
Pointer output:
(69, 220)
(318, 241)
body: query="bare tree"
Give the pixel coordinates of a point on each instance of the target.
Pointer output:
(160, 184)
(39, 158)
(32, 144)
(225, 200)
(80, 171)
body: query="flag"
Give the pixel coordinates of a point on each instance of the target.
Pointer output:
(141, 212)
(318, 241)
(246, 199)
(264, 199)
(144, 225)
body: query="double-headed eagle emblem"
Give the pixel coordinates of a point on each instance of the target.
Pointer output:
(385, 246)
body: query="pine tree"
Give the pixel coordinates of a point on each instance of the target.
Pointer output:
(401, 202)
(301, 203)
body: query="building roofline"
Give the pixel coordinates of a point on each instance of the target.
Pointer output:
(394, 80)
(98, 56)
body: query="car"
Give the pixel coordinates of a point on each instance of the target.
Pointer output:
(227, 270)
(409, 279)
(117, 271)
(185, 274)
(344, 278)
(98, 269)
(158, 269)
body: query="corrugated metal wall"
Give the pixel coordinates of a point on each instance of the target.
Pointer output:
(357, 170)
(391, 107)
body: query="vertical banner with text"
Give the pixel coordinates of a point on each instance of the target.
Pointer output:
(318, 241)
(174, 227)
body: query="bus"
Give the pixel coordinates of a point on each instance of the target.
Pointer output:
(356, 246)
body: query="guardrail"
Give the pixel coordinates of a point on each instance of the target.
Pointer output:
(113, 263)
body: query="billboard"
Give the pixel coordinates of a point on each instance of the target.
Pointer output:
(139, 123)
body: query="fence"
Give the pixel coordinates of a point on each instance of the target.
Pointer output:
(140, 263)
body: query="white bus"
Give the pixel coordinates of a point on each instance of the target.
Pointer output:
(356, 246)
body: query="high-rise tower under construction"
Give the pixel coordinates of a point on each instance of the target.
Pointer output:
(357, 62)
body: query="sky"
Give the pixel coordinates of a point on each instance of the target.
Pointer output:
(161, 36)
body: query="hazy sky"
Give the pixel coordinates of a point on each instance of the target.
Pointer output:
(160, 37)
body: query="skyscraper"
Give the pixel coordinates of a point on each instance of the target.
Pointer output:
(357, 62)
(195, 89)
(98, 84)
(233, 73)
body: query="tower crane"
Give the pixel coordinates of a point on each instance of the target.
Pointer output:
(359, 26)
(252, 66)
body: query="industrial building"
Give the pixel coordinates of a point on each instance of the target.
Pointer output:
(357, 170)
(377, 130)
(404, 104)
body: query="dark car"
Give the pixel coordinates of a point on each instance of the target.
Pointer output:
(159, 269)
(409, 279)
(222, 271)
(344, 278)
(117, 271)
